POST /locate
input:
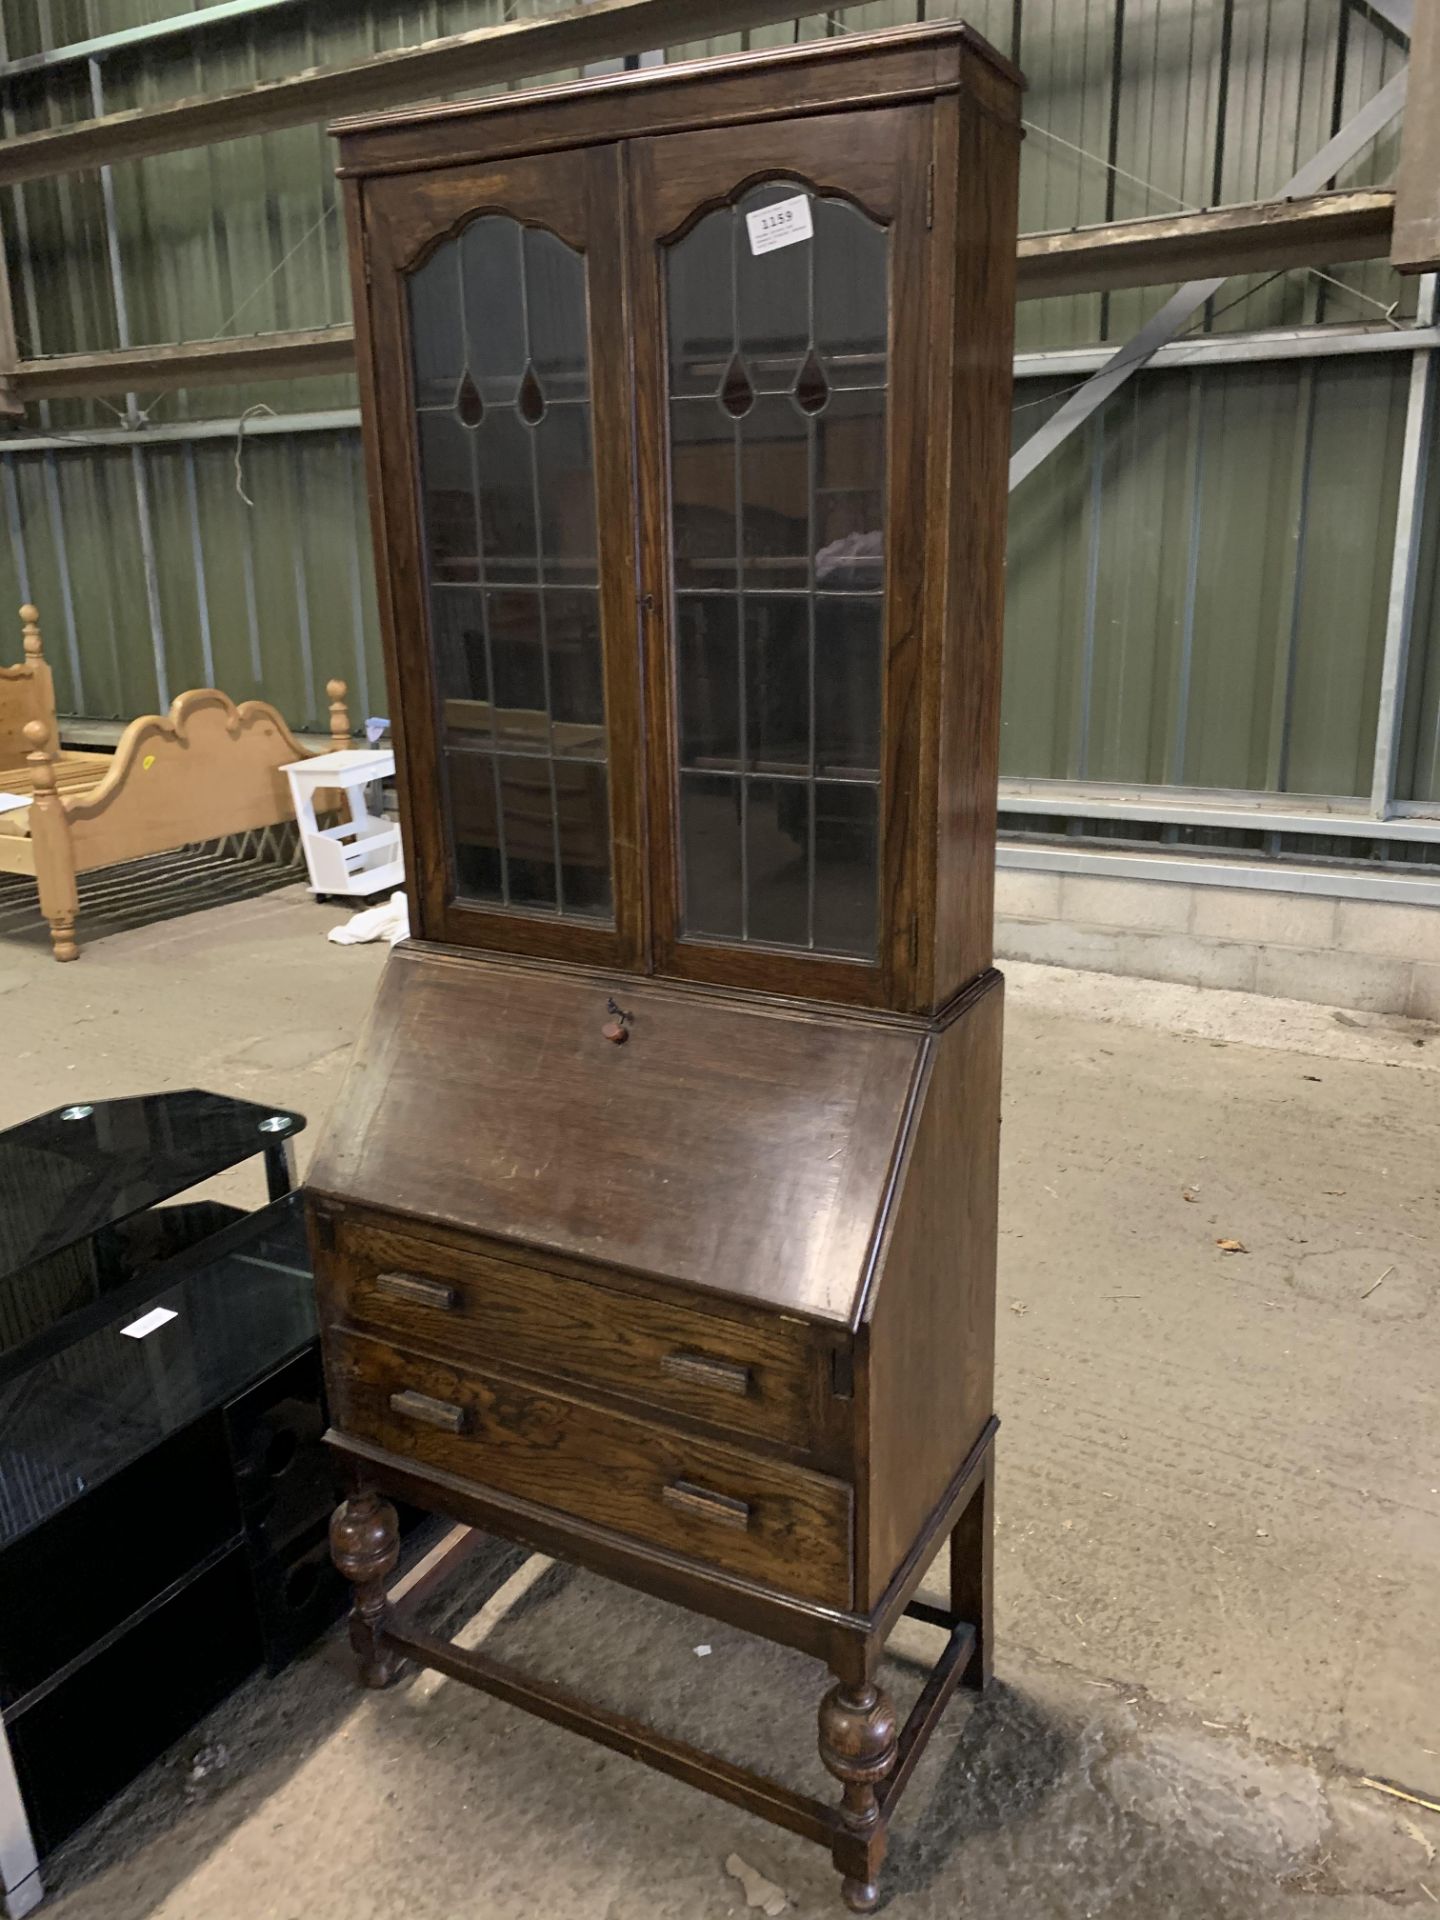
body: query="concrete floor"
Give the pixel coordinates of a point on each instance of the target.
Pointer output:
(1219, 1534)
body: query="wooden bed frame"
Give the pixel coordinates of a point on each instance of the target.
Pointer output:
(206, 769)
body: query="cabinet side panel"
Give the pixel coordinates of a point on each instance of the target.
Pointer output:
(932, 1331)
(978, 152)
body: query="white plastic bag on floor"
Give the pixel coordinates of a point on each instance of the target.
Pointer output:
(389, 921)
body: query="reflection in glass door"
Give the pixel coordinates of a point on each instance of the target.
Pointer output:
(778, 364)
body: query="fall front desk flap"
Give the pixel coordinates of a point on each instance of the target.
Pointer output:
(743, 1149)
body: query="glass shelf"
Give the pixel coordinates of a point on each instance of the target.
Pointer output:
(238, 1306)
(69, 1173)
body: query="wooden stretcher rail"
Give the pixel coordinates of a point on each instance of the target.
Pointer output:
(925, 1714)
(756, 1793)
(797, 1812)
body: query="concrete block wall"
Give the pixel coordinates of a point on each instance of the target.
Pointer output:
(1376, 956)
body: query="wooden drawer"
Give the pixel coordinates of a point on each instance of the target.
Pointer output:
(746, 1513)
(768, 1377)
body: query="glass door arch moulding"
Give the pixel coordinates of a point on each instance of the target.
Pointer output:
(500, 366)
(777, 353)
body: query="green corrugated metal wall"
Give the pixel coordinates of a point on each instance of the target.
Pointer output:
(287, 586)
(1198, 579)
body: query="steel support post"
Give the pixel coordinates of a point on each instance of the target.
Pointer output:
(1405, 563)
(133, 417)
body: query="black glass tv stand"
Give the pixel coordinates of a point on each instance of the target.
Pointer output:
(164, 1492)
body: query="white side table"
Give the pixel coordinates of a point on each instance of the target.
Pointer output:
(362, 855)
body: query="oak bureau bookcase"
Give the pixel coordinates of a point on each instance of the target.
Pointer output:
(655, 1225)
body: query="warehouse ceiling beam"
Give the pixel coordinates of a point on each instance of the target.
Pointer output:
(160, 433)
(144, 34)
(488, 56)
(1255, 237)
(1416, 245)
(330, 350)
(1182, 306)
(1307, 232)
(191, 363)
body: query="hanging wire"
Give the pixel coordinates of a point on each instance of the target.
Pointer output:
(1386, 310)
(1192, 333)
(222, 332)
(260, 407)
(1033, 126)
(81, 439)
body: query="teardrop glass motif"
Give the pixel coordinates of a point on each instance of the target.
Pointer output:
(531, 399)
(469, 407)
(811, 388)
(737, 396)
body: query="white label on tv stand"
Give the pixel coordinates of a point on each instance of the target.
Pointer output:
(148, 1322)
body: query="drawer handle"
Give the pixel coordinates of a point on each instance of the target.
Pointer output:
(430, 1412)
(725, 1376)
(414, 1287)
(701, 1504)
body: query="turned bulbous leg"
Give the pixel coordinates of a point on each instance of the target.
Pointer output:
(365, 1544)
(858, 1735)
(62, 936)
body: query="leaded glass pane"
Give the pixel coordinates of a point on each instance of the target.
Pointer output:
(778, 370)
(778, 706)
(777, 861)
(702, 480)
(708, 639)
(847, 832)
(502, 380)
(711, 848)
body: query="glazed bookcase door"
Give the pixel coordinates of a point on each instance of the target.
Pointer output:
(779, 276)
(498, 368)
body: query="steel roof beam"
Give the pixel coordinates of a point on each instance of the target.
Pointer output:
(462, 62)
(128, 39)
(305, 353)
(1338, 152)
(1338, 226)
(1256, 236)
